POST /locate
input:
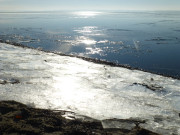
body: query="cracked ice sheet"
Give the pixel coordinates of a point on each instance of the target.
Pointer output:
(51, 81)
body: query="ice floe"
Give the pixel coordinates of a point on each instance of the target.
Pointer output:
(47, 80)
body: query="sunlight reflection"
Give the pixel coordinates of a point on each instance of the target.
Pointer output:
(89, 30)
(66, 44)
(62, 84)
(94, 50)
(86, 14)
(72, 89)
(86, 29)
(86, 40)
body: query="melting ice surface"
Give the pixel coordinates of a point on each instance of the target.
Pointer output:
(51, 81)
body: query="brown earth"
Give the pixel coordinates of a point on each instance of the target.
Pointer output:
(17, 118)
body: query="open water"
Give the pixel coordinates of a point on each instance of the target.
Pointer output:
(145, 40)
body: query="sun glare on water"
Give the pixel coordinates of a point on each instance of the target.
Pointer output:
(87, 14)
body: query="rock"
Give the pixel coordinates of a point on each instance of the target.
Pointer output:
(150, 86)
(9, 81)
(13, 81)
(2, 81)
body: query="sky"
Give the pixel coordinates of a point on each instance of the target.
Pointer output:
(53, 5)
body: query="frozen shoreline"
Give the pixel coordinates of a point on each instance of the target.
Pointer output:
(50, 81)
(97, 61)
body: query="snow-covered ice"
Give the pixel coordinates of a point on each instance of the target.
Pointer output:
(47, 80)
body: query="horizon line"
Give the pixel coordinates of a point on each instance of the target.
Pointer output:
(38, 11)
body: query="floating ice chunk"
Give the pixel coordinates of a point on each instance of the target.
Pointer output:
(7, 41)
(136, 44)
(119, 123)
(31, 104)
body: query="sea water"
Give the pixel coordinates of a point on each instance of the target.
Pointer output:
(148, 40)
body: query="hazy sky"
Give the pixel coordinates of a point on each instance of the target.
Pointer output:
(39, 5)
